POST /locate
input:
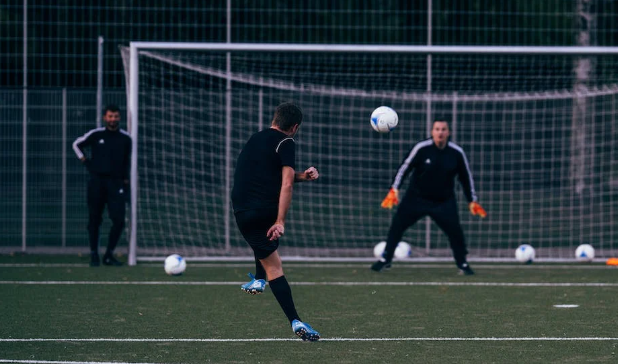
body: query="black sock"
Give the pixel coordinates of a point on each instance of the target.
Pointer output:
(283, 294)
(260, 273)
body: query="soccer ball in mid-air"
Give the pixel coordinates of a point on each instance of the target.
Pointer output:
(175, 265)
(403, 250)
(384, 119)
(524, 254)
(584, 253)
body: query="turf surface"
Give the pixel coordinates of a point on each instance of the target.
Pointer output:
(428, 313)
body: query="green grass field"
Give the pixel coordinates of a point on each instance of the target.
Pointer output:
(56, 309)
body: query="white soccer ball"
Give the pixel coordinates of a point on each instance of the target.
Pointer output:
(384, 119)
(379, 249)
(524, 253)
(584, 253)
(175, 265)
(403, 250)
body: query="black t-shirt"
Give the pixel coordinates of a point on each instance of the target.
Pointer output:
(258, 175)
(110, 152)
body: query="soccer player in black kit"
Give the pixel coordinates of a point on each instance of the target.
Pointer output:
(109, 167)
(261, 196)
(434, 163)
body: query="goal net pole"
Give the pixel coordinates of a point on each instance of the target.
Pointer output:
(137, 47)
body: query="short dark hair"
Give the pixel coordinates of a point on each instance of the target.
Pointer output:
(441, 119)
(112, 108)
(287, 115)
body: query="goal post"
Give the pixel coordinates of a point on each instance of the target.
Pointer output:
(513, 110)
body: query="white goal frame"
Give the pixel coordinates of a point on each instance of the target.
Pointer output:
(133, 104)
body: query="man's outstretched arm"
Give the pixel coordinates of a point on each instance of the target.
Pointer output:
(308, 175)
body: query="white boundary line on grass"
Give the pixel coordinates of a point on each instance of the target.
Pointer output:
(224, 283)
(398, 265)
(66, 362)
(324, 339)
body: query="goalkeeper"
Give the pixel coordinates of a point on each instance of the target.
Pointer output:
(434, 163)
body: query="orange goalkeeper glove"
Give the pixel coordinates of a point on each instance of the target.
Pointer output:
(391, 199)
(476, 209)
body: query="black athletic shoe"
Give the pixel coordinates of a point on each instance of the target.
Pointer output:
(95, 261)
(380, 266)
(110, 260)
(464, 269)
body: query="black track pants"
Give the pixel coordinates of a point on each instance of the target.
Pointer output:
(444, 214)
(111, 192)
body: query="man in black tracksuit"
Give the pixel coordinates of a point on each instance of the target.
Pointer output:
(434, 163)
(109, 168)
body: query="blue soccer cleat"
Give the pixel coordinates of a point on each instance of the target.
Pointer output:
(304, 331)
(254, 286)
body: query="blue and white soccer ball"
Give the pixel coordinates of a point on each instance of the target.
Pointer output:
(525, 254)
(378, 250)
(584, 253)
(384, 119)
(403, 250)
(175, 265)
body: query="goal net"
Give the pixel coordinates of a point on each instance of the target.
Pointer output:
(538, 129)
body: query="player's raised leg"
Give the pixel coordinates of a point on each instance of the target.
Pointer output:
(257, 284)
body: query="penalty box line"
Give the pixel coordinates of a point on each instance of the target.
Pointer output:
(372, 283)
(375, 339)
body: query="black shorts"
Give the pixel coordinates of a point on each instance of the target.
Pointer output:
(253, 225)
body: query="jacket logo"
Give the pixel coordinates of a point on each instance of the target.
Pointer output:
(428, 161)
(101, 141)
(121, 191)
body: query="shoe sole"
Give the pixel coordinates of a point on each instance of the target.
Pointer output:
(302, 333)
(385, 268)
(251, 291)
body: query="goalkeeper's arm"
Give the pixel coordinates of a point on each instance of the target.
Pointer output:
(391, 199)
(467, 182)
(477, 209)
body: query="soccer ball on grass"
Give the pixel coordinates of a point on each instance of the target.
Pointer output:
(175, 265)
(584, 253)
(525, 254)
(403, 250)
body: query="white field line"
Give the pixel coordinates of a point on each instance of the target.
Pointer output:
(326, 265)
(146, 340)
(65, 362)
(232, 283)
